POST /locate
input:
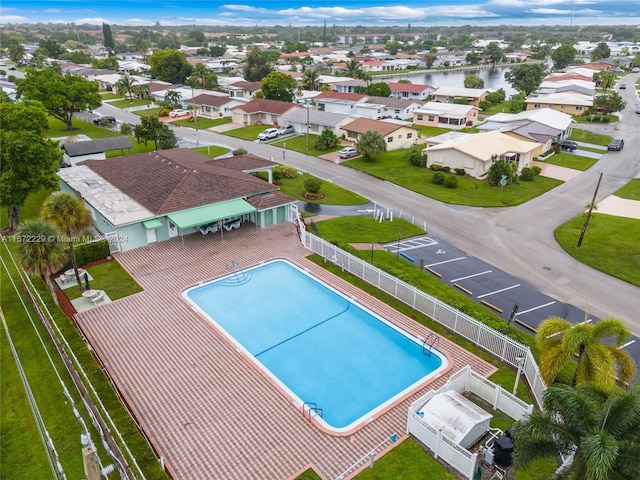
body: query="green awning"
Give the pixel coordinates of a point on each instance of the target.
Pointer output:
(152, 224)
(210, 213)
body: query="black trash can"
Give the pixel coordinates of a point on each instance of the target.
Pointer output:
(503, 448)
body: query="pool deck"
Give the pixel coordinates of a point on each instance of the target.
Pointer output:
(207, 410)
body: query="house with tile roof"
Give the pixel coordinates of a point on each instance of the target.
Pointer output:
(261, 111)
(77, 151)
(410, 91)
(447, 115)
(450, 94)
(397, 135)
(152, 197)
(476, 153)
(215, 106)
(241, 89)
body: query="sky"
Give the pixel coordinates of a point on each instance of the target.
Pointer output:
(315, 12)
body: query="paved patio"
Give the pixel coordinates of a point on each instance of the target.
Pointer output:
(209, 413)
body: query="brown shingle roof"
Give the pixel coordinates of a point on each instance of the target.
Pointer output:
(270, 200)
(242, 163)
(362, 125)
(210, 100)
(173, 180)
(263, 105)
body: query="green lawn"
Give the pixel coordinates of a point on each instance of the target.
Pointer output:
(594, 150)
(299, 144)
(394, 167)
(110, 277)
(427, 131)
(611, 244)
(110, 96)
(586, 136)
(497, 108)
(345, 230)
(630, 191)
(248, 132)
(211, 150)
(407, 461)
(202, 122)
(126, 103)
(149, 112)
(333, 194)
(570, 160)
(597, 118)
(59, 129)
(137, 149)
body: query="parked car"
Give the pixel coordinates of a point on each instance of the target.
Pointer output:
(268, 134)
(638, 108)
(179, 113)
(635, 70)
(348, 152)
(616, 144)
(286, 130)
(622, 86)
(568, 145)
(103, 120)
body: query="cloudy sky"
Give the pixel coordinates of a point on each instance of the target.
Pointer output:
(315, 12)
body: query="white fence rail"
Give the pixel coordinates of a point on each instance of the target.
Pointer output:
(465, 380)
(483, 336)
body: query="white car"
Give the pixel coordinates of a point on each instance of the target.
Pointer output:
(178, 113)
(268, 134)
(348, 152)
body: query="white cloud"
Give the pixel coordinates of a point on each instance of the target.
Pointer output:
(13, 19)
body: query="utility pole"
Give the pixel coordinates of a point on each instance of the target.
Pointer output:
(586, 220)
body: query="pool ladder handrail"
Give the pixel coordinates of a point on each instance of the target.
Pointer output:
(236, 270)
(426, 346)
(311, 407)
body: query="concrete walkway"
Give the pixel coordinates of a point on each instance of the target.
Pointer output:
(555, 171)
(620, 207)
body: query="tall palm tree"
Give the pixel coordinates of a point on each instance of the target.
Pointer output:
(68, 213)
(353, 68)
(601, 430)
(43, 254)
(142, 91)
(598, 363)
(125, 86)
(173, 96)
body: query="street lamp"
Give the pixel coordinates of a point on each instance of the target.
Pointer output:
(308, 107)
(520, 361)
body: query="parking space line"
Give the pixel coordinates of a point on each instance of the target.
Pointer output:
(470, 276)
(446, 261)
(499, 291)
(626, 344)
(535, 308)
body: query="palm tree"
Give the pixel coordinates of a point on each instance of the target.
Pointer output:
(44, 254)
(173, 96)
(68, 213)
(310, 79)
(199, 75)
(600, 430)
(598, 363)
(142, 92)
(353, 68)
(125, 86)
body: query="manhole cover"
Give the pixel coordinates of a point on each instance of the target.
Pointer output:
(546, 268)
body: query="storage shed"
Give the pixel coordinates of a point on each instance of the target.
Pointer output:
(456, 417)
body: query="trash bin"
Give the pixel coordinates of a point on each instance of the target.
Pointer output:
(503, 449)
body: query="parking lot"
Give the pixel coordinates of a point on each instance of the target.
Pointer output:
(491, 287)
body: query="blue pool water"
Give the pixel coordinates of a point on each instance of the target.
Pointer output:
(319, 345)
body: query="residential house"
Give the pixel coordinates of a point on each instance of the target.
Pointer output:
(349, 86)
(546, 116)
(565, 102)
(476, 153)
(410, 91)
(336, 102)
(533, 131)
(450, 94)
(396, 135)
(317, 120)
(152, 197)
(388, 107)
(212, 105)
(261, 111)
(447, 115)
(241, 89)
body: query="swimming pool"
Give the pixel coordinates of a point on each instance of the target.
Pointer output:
(315, 343)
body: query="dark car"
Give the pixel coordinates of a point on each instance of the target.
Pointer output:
(568, 145)
(104, 120)
(616, 144)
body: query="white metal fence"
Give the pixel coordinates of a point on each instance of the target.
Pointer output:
(465, 380)
(483, 336)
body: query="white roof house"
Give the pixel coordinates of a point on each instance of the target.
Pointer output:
(546, 116)
(317, 119)
(476, 153)
(449, 94)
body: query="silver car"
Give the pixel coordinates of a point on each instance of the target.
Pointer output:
(348, 152)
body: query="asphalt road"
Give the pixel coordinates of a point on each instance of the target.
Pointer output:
(517, 240)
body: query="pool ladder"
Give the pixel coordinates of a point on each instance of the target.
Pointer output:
(237, 277)
(308, 407)
(427, 346)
